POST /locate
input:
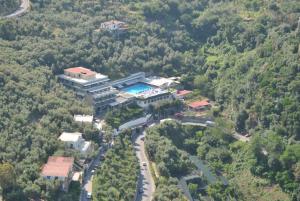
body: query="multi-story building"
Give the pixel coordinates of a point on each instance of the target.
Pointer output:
(153, 97)
(81, 79)
(91, 85)
(129, 80)
(102, 93)
(100, 97)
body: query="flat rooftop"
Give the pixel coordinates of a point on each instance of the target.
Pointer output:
(70, 137)
(84, 118)
(151, 93)
(80, 70)
(161, 81)
(98, 77)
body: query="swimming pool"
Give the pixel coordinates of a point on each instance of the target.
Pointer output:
(137, 88)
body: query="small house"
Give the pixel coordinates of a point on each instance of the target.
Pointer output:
(181, 94)
(199, 105)
(114, 25)
(60, 168)
(75, 141)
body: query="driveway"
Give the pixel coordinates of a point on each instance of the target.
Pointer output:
(146, 181)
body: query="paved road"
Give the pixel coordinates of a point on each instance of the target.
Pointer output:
(24, 7)
(88, 178)
(146, 181)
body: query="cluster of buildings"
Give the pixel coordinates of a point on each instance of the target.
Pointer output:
(62, 168)
(98, 90)
(104, 94)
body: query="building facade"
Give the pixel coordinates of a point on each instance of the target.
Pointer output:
(153, 97)
(59, 168)
(75, 141)
(90, 85)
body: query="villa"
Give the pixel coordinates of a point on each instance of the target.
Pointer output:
(114, 25)
(75, 141)
(59, 168)
(181, 94)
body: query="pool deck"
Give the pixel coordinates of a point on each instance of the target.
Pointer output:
(138, 88)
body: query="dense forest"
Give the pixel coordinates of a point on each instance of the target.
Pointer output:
(116, 179)
(242, 54)
(8, 6)
(169, 146)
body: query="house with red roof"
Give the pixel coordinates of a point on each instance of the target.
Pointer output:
(80, 72)
(59, 168)
(199, 105)
(181, 94)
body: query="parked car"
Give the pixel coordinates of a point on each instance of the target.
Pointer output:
(210, 123)
(89, 195)
(102, 157)
(179, 115)
(142, 138)
(141, 190)
(144, 164)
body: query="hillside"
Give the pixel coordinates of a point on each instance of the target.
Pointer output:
(8, 6)
(243, 54)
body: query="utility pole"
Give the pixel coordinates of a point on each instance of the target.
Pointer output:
(298, 27)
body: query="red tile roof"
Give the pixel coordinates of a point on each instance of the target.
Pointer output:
(58, 166)
(80, 70)
(183, 92)
(197, 104)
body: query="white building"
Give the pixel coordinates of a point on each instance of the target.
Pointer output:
(114, 25)
(162, 82)
(153, 97)
(83, 118)
(75, 141)
(90, 85)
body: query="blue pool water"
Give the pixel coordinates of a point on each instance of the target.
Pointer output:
(137, 88)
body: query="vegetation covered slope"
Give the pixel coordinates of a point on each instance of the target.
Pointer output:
(117, 177)
(8, 6)
(244, 54)
(34, 110)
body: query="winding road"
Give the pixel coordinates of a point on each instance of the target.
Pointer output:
(24, 7)
(88, 177)
(146, 185)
